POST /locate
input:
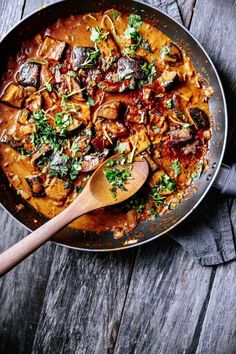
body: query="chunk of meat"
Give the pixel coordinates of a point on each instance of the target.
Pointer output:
(47, 99)
(131, 67)
(45, 74)
(178, 136)
(35, 183)
(169, 80)
(81, 58)
(110, 110)
(147, 92)
(13, 95)
(28, 74)
(81, 144)
(76, 87)
(199, 118)
(52, 48)
(56, 190)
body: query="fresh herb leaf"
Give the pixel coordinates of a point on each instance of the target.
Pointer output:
(155, 129)
(150, 70)
(135, 21)
(175, 166)
(169, 104)
(98, 34)
(115, 14)
(164, 50)
(198, 172)
(117, 178)
(90, 101)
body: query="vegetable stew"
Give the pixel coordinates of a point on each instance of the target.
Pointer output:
(92, 86)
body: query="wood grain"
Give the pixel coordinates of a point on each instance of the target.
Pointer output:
(219, 325)
(84, 302)
(186, 8)
(164, 302)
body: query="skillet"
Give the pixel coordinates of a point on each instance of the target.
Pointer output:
(221, 175)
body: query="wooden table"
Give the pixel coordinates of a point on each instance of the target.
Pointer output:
(152, 299)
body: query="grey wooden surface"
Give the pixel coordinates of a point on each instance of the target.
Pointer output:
(153, 299)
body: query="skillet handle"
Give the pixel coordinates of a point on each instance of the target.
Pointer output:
(226, 180)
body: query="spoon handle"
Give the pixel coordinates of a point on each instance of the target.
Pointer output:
(22, 249)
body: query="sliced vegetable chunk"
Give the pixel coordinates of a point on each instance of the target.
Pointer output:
(13, 95)
(29, 74)
(52, 48)
(83, 57)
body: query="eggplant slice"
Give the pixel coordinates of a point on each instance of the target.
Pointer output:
(131, 67)
(29, 75)
(81, 58)
(36, 185)
(199, 118)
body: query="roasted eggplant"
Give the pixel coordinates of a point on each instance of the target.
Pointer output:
(35, 183)
(131, 67)
(29, 74)
(199, 118)
(81, 58)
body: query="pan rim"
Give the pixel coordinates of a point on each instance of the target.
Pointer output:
(220, 158)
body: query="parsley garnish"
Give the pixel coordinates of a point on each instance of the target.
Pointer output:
(115, 14)
(197, 174)
(175, 166)
(90, 101)
(117, 178)
(135, 22)
(98, 34)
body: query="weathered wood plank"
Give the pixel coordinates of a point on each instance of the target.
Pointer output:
(22, 290)
(213, 24)
(9, 14)
(186, 8)
(164, 302)
(83, 302)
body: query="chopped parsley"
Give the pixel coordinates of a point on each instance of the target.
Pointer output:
(45, 133)
(117, 179)
(90, 101)
(155, 129)
(150, 70)
(98, 34)
(169, 104)
(164, 50)
(176, 168)
(153, 212)
(166, 185)
(198, 172)
(135, 22)
(115, 14)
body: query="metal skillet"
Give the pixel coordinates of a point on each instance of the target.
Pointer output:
(222, 176)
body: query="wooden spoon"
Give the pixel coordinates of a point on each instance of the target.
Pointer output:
(96, 194)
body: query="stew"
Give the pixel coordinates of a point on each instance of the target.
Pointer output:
(92, 86)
